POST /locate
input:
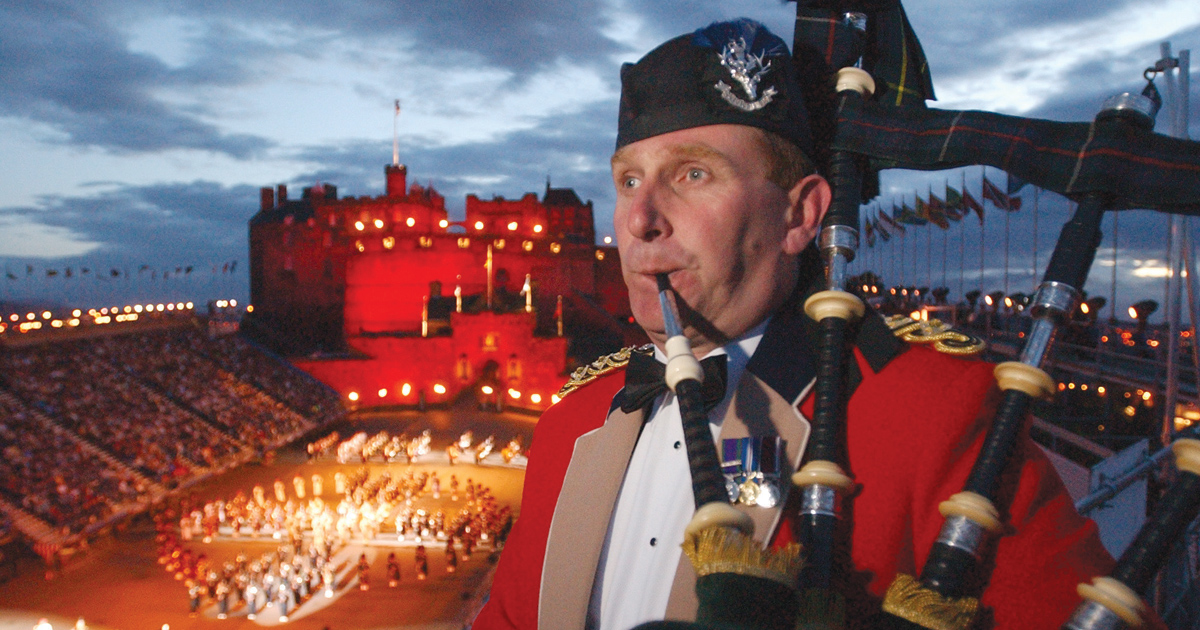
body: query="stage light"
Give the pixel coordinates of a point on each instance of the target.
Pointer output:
(189, 305)
(358, 225)
(535, 398)
(233, 302)
(487, 390)
(76, 313)
(128, 309)
(599, 254)
(516, 395)
(607, 240)
(382, 393)
(138, 307)
(170, 307)
(104, 311)
(14, 317)
(31, 316)
(45, 314)
(406, 389)
(379, 223)
(537, 229)
(443, 223)
(389, 242)
(512, 225)
(439, 388)
(353, 396)
(1100, 390)
(249, 308)
(479, 225)
(555, 247)
(410, 222)
(160, 307)
(56, 323)
(527, 246)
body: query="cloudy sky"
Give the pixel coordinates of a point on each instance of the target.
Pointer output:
(137, 133)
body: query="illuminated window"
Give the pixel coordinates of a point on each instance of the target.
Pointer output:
(527, 246)
(463, 242)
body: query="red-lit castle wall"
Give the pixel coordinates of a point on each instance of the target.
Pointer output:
(355, 273)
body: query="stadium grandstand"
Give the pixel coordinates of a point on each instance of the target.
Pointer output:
(97, 427)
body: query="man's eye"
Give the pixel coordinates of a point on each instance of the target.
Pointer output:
(695, 174)
(629, 182)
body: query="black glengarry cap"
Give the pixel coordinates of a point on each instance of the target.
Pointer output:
(734, 72)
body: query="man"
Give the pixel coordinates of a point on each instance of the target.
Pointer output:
(715, 189)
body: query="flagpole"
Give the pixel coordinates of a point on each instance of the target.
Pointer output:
(1007, 223)
(946, 243)
(982, 230)
(929, 248)
(1035, 237)
(1112, 305)
(962, 248)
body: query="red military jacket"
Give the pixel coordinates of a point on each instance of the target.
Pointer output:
(915, 424)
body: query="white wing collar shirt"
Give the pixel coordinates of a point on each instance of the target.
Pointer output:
(643, 547)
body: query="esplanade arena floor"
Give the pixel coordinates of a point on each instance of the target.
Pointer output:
(118, 583)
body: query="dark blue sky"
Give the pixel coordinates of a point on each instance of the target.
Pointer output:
(138, 132)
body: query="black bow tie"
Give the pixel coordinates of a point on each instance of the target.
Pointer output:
(644, 381)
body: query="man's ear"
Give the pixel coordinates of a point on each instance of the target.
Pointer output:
(808, 201)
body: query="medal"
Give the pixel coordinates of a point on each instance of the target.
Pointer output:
(751, 468)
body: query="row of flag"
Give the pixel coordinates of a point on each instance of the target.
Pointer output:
(940, 211)
(114, 272)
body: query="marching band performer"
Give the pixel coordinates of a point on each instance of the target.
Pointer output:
(716, 189)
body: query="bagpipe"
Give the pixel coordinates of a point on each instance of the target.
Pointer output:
(875, 119)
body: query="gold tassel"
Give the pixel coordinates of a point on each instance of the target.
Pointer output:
(908, 599)
(725, 550)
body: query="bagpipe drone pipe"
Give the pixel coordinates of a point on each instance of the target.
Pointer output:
(877, 119)
(1114, 162)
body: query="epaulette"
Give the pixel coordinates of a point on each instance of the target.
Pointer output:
(588, 373)
(940, 335)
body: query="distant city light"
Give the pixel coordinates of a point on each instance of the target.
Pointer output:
(128, 309)
(76, 313)
(104, 311)
(45, 314)
(14, 317)
(233, 302)
(170, 307)
(189, 305)
(137, 308)
(249, 308)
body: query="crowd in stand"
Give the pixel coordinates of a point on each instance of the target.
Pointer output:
(164, 404)
(176, 362)
(52, 476)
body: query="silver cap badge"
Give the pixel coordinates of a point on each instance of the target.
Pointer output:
(746, 68)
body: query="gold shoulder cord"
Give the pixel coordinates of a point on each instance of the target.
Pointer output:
(939, 334)
(588, 373)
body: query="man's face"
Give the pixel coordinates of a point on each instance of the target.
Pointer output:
(697, 204)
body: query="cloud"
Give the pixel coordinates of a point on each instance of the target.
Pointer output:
(66, 66)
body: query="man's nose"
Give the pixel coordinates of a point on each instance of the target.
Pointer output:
(646, 220)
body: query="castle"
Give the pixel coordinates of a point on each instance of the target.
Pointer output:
(391, 303)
